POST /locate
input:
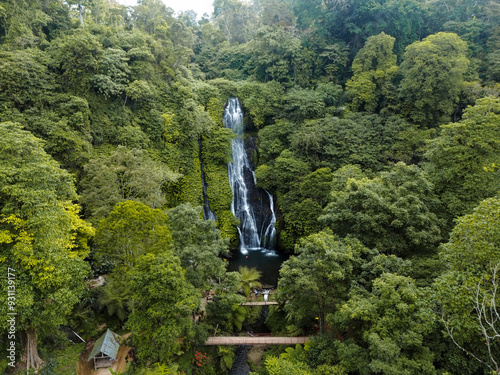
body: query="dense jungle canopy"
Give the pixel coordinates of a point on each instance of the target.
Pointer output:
(375, 124)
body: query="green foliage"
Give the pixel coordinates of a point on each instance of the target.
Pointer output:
(297, 354)
(392, 212)
(317, 185)
(300, 104)
(237, 317)
(374, 67)
(317, 280)
(432, 73)
(302, 206)
(463, 159)
(227, 356)
(260, 101)
(86, 76)
(163, 303)
(116, 296)
(342, 175)
(189, 123)
(470, 257)
(368, 140)
(198, 244)
(216, 153)
(65, 361)
(123, 175)
(273, 140)
(282, 366)
(139, 91)
(24, 78)
(158, 369)
(471, 248)
(300, 219)
(188, 188)
(217, 146)
(392, 322)
(112, 74)
(76, 56)
(249, 279)
(234, 18)
(42, 239)
(279, 56)
(224, 310)
(287, 169)
(132, 229)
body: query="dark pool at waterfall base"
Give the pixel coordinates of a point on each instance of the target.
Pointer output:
(266, 261)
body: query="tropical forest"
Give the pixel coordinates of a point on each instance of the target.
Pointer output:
(278, 187)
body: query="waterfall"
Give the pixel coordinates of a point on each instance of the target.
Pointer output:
(253, 206)
(208, 214)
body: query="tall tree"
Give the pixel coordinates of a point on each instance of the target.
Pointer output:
(277, 54)
(153, 16)
(316, 281)
(164, 301)
(42, 239)
(25, 80)
(198, 244)
(374, 67)
(132, 229)
(75, 59)
(123, 175)
(392, 212)
(390, 326)
(463, 293)
(463, 161)
(235, 19)
(433, 72)
(26, 23)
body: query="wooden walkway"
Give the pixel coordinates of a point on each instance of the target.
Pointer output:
(259, 303)
(268, 340)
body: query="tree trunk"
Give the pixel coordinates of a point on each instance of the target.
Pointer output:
(80, 11)
(32, 358)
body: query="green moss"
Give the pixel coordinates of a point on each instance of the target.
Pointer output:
(188, 188)
(191, 188)
(216, 153)
(220, 197)
(215, 108)
(218, 189)
(227, 225)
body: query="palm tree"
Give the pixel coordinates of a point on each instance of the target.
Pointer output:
(116, 297)
(249, 279)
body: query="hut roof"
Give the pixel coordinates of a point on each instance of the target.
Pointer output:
(107, 344)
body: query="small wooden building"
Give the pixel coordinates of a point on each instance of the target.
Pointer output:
(105, 350)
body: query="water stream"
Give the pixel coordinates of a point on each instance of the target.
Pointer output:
(208, 214)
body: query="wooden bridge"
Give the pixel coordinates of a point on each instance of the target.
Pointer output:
(249, 340)
(259, 303)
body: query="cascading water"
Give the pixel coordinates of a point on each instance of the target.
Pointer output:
(253, 206)
(208, 214)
